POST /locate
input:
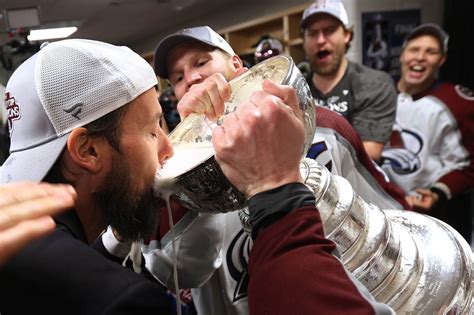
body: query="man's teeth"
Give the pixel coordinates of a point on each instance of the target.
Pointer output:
(417, 68)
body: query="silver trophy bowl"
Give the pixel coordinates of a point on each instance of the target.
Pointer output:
(204, 187)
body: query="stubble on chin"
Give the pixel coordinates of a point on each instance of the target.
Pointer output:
(327, 69)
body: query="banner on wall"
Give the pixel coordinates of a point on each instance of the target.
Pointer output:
(383, 36)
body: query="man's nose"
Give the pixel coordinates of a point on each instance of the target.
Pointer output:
(165, 149)
(320, 37)
(192, 77)
(420, 55)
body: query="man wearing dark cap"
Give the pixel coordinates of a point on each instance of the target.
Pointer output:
(430, 154)
(366, 97)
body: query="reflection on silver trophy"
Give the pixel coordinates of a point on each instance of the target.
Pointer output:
(410, 261)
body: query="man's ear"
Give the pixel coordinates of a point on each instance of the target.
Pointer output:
(348, 35)
(237, 62)
(87, 152)
(442, 61)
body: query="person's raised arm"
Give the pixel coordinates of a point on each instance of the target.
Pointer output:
(246, 141)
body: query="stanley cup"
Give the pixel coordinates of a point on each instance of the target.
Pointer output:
(414, 263)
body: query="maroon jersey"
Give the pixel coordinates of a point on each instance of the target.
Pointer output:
(460, 101)
(436, 141)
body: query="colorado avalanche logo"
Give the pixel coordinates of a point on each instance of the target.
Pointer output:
(404, 160)
(13, 110)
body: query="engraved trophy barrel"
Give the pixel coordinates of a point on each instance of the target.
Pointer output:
(203, 186)
(412, 262)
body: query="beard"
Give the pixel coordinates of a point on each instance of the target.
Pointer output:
(134, 215)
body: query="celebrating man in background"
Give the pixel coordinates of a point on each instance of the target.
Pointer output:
(366, 97)
(431, 151)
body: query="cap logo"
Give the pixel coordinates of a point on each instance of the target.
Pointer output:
(13, 110)
(320, 4)
(75, 110)
(187, 31)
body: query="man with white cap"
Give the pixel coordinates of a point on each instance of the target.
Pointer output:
(430, 154)
(86, 113)
(207, 46)
(366, 97)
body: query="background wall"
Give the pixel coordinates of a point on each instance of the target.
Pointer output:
(453, 15)
(457, 22)
(232, 15)
(432, 11)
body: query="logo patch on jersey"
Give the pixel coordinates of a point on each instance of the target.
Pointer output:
(13, 110)
(237, 258)
(464, 92)
(404, 160)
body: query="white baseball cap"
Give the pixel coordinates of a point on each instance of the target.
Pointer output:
(203, 34)
(331, 7)
(66, 85)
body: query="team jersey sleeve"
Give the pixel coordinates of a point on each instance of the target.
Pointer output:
(292, 268)
(459, 102)
(455, 159)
